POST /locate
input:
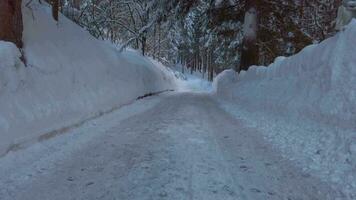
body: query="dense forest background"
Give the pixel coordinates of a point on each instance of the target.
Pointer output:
(205, 35)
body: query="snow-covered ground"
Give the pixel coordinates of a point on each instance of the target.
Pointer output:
(305, 105)
(175, 146)
(193, 82)
(70, 77)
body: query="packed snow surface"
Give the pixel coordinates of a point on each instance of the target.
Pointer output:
(70, 76)
(176, 146)
(306, 105)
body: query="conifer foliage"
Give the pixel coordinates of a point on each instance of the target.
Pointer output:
(204, 35)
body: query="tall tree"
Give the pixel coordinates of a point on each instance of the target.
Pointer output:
(249, 52)
(55, 9)
(11, 26)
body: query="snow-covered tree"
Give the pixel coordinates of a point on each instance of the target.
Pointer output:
(249, 52)
(208, 35)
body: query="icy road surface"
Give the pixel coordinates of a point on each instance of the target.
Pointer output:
(178, 146)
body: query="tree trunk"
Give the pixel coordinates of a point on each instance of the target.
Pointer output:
(211, 67)
(145, 32)
(249, 52)
(159, 40)
(154, 41)
(11, 26)
(76, 4)
(143, 45)
(55, 9)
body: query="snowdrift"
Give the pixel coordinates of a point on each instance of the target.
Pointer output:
(318, 83)
(70, 77)
(306, 105)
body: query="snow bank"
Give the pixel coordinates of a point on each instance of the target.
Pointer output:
(223, 81)
(306, 105)
(319, 82)
(70, 77)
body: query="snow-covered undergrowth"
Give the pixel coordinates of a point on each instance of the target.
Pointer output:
(193, 82)
(70, 76)
(305, 105)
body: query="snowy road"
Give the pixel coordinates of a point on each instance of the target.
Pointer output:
(178, 146)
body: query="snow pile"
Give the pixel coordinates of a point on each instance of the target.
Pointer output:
(70, 77)
(319, 82)
(11, 68)
(223, 81)
(306, 105)
(9, 55)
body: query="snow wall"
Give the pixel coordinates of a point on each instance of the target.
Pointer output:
(70, 77)
(319, 83)
(305, 105)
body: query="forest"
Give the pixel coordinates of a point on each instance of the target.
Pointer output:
(205, 35)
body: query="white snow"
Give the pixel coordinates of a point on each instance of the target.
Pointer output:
(70, 77)
(250, 24)
(188, 81)
(224, 80)
(345, 13)
(305, 105)
(172, 146)
(194, 84)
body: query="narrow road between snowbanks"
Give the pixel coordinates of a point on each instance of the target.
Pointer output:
(177, 146)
